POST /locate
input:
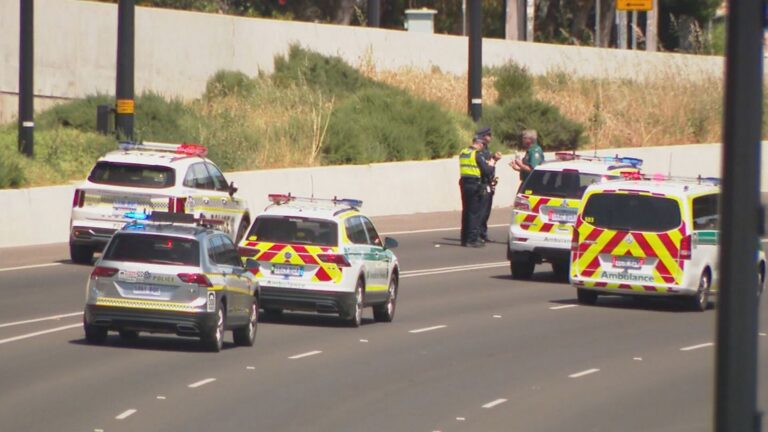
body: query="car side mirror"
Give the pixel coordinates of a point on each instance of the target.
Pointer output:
(252, 266)
(390, 243)
(232, 188)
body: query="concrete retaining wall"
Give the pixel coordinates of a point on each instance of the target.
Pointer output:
(176, 52)
(41, 215)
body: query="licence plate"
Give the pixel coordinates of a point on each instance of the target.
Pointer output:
(145, 289)
(628, 262)
(287, 270)
(562, 217)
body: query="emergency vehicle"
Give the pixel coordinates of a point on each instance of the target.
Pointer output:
(322, 255)
(142, 177)
(545, 209)
(650, 237)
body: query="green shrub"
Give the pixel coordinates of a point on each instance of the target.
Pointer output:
(229, 83)
(512, 82)
(158, 119)
(379, 125)
(11, 171)
(79, 114)
(556, 132)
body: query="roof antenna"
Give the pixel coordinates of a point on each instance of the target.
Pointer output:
(312, 181)
(669, 172)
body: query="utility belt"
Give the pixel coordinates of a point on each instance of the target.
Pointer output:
(471, 180)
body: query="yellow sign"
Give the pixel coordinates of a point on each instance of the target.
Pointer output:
(634, 5)
(124, 106)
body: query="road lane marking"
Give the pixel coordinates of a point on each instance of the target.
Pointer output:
(306, 354)
(27, 267)
(563, 307)
(202, 382)
(251, 367)
(442, 270)
(435, 230)
(426, 329)
(494, 403)
(126, 414)
(583, 373)
(54, 317)
(29, 335)
(497, 316)
(693, 347)
(763, 334)
(161, 398)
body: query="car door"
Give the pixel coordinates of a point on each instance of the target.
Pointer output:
(208, 195)
(235, 284)
(705, 237)
(378, 263)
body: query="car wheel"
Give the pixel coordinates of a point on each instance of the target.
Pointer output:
(95, 335)
(246, 335)
(586, 296)
(213, 338)
(242, 229)
(355, 315)
(761, 279)
(81, 254)
(561, 269)
(129, 335)
(700, 300)
(522, 270)
(386, 312)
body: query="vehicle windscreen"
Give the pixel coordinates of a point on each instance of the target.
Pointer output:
(559, 184)
(154, 249)
(136, 175)
(631, 212)
(294, 230)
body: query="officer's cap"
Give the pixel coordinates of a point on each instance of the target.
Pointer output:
(483, 132)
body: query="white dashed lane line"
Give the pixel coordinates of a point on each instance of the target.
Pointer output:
(29, 335)
(426, 329)
(125, 414)
(202, 383)
(563, 307)
(306, 354)
(695, 347)
(583, 373)
(490, 405)
(48, 318)
(29, 267)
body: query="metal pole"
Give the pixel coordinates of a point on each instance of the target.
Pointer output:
(651, 27)
(633, 29)
(26, 135)
(124, 107)
(374, 13)
(475, 59)
(530, 17)
(737, 310)
(597, 23)
(621, 23)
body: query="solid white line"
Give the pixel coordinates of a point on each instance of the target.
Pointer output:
(306, 354)
(581, 374)
(202, 382)
(126, 414)
(763, 334)
(693, 347)
(429, 272)
(426, 329)
(494, 403)
(29, 335)
(54, 317)
(29, 267)
(455, 267)
(562, 307)
(433, 230)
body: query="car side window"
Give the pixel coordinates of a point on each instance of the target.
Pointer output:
(214, 244)
(217, 178)
(356, 230)
(705, 215)
(228, 253)
(197, 177)
(373, 236)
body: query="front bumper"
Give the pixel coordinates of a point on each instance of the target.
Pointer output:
(153, 321)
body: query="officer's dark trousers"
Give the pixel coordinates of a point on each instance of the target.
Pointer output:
(487, 205)
(472, 208)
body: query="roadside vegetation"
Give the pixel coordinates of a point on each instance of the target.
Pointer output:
(318, 110)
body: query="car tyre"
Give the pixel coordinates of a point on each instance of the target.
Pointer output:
(81, 254)
(386, 312)
(586, 297)
(700, 301)
(246, 335)
(561, 269)
(213, 338)
(354, 316)
(95, 335)
(522, 270)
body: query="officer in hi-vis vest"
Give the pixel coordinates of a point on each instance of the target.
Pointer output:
(473, 168)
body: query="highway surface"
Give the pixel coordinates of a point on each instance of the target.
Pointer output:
(469, 350)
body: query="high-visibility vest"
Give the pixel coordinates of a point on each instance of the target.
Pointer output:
(468, 163)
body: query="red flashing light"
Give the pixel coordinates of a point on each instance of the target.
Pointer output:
(339, 260)
(195, 278)
(192, 149)
(100, 271)
(565, 156)
(685, 248)
(521, 204)
(279, 198)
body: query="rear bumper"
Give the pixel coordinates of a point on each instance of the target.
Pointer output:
(632, 289)
(306, 300)
(90, 236)
(180, 323)
(552, 246)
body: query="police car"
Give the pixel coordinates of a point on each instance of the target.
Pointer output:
(650, 238)
(545, 209)
(172, 273)
(144, 177)
(322, 255)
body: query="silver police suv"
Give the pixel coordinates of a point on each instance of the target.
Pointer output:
(167, 274)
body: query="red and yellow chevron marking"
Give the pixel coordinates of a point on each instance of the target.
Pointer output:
(664, 246)
(281, 253)
(531, 221)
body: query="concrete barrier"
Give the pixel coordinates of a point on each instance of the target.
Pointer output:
(41, 215)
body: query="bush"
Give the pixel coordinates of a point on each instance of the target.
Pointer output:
(79, 114)
(512, 81)
(555, 131)
(158, 119)
(11, 172)
(380, 125)
(228, 84)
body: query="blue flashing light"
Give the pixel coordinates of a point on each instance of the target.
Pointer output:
(136, 215)
(635, 162)
(350, 202)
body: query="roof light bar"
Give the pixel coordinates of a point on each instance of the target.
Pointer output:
(569, 156)
(279, 199)
(663, 177)
(188, 149)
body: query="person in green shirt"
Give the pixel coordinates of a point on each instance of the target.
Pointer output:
(534, 155)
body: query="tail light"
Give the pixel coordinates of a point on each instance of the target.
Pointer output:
(177, 205)
(79, 198)
(246, 252)
(339, 260)
(195, 278)
(521, 204)
(100, 271)
(685, 248)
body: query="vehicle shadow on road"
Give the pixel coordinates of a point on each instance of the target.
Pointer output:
(646, 304)
(150, 342)
(309, 320)
(539, 277)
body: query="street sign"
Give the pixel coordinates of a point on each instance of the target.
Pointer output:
(634, 5)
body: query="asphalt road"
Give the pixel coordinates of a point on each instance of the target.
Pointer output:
(469, 350)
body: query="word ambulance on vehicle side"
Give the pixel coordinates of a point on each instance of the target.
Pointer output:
(545, 209)
(650, 237)
(144, 177)
(322, 255)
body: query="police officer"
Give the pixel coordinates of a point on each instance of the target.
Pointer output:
(473, 168)
(489, 181)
